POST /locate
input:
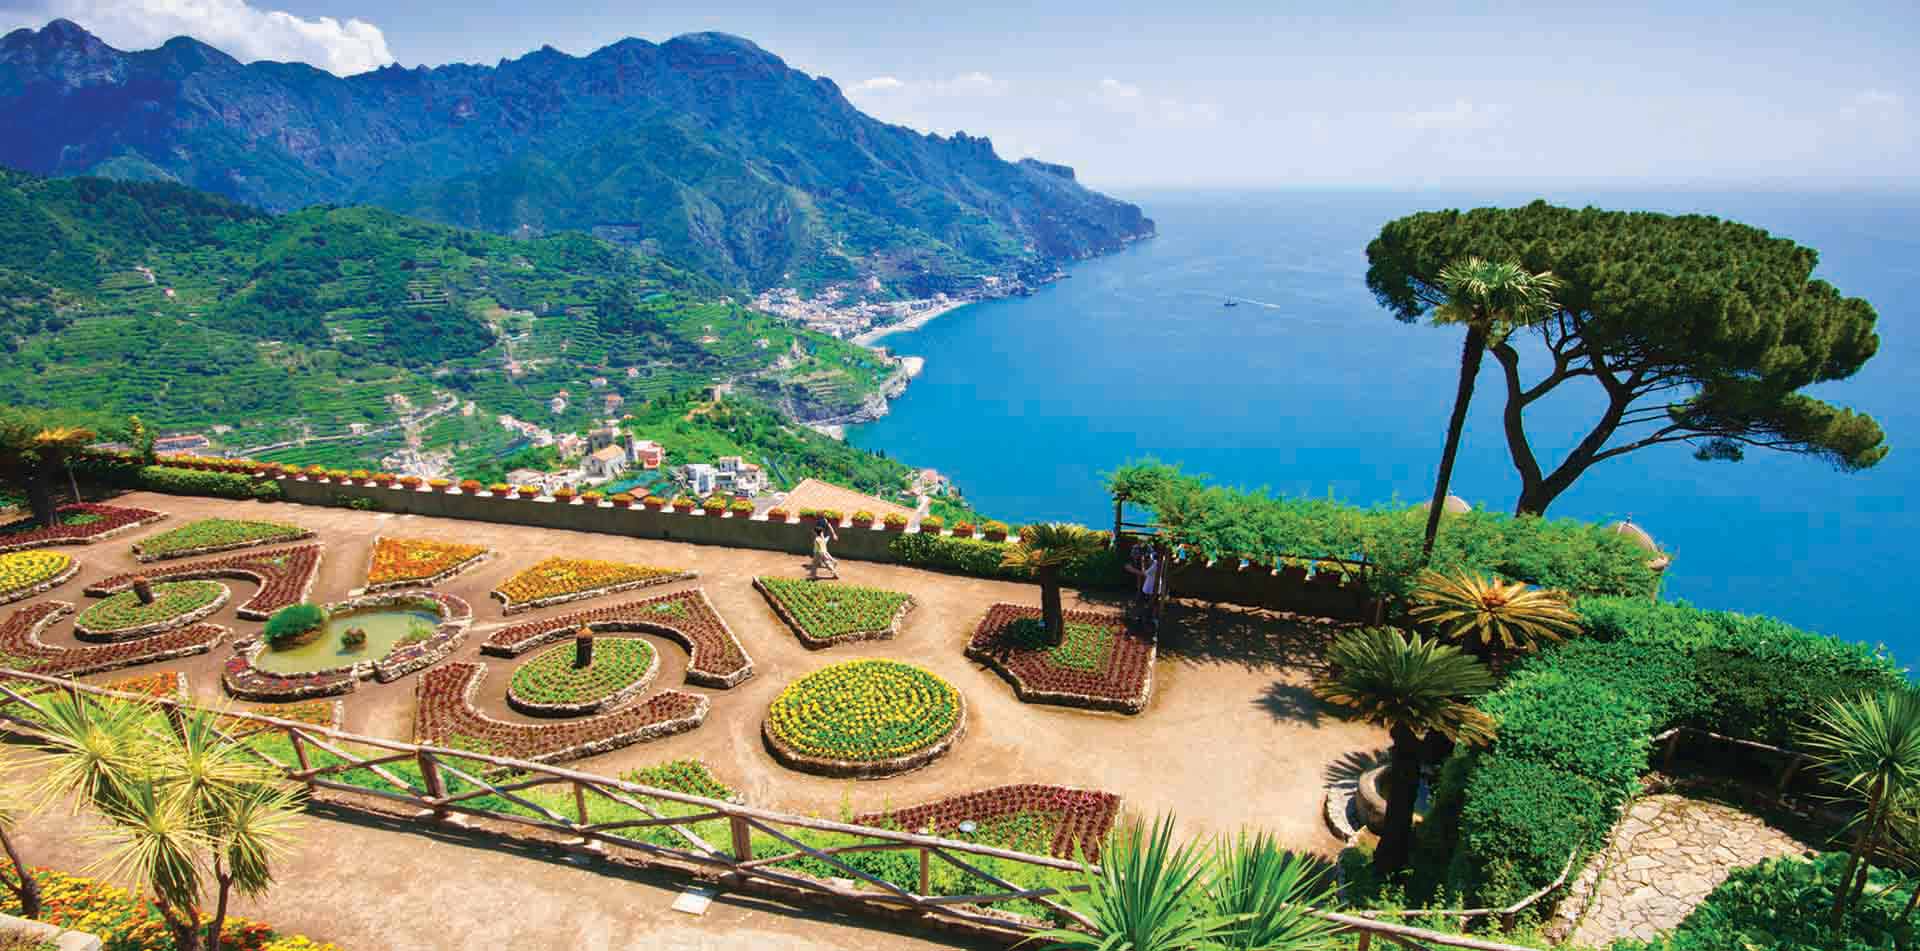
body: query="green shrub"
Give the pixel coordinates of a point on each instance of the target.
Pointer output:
(1574, 725)
(292, 621)
(225, 485)
(981, 559)
(1519, 821)
(1780, 905)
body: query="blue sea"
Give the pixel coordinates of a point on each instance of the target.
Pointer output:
(1309, 388)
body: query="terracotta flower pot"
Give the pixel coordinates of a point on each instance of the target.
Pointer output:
(995, 536)
(963, 532)
(684, 509)
(891, 527)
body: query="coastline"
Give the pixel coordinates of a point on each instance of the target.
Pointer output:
(914, 322)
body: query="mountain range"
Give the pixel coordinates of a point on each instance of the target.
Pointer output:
(705, 150)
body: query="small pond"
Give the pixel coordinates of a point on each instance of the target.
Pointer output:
(385, 628)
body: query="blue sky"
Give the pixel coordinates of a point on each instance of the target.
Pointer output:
(1235, 94)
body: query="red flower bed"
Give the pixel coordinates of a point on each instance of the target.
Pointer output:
(444, 715)
(1122, 681)
(93, 522)
(717, 659)
(248, 682)
(1081, 817)
(22, 649)
(285, 577)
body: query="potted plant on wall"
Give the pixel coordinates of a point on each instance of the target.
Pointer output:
(863, 519)
(741, 508)
(714, 505)
(1293, 570)
(961, 529)
(622, 500)
(528, 492)
(563, 495)
(468, 487)
(994, 531)
(895, 522)
(500, 490)
(832, 516)
(653, 502)
(383, 479)
(778, 514)
(682, 504)
(590, 497)
(359, 476)
(932, 524)
(410, 483)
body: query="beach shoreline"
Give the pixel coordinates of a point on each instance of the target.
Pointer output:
(918, 320)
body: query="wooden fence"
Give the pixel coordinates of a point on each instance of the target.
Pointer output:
(732, 863)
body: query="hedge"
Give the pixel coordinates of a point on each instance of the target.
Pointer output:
(1576, 723)
(981, 559)
(225, 485)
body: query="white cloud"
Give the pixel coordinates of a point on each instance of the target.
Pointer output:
(963, 85)
(244, 31)
(1460, 114)
(876, 84)
(1125, 97)
(1875, 104)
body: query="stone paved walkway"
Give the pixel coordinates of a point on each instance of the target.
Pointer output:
(1667, 853)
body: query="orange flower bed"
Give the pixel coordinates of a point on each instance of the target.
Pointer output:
(400, 562)
(558, 580)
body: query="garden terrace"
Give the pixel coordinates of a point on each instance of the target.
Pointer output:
(688, 617)
(561, 580)
(24, 574)
(418, 562)
(210, 535)
(446, 716)
(824, 615)
(284, 576)
(82, 523)
(1098, 664)
(22, 648)
(1071, 822)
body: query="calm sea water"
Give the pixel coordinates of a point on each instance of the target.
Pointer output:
(1310, 388)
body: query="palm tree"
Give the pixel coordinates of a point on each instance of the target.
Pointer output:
(36, 443)
(184, 804)
(1491, 299)
(1870, 746)
(1486, 613)
(1415, 687)
(1270, 894)
(1147, 895)
(25, 888)
(1042, 551)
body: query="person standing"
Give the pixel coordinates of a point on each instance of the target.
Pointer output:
(823, 532)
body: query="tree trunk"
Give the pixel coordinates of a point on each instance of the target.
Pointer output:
(1859, 884)
(219, 922)
(1843, 892)
(1403, 787)
(1051, 614)
(1906, 915)
(72, 482)
(29, 890)
(40, 496)
(186, 934)
(1471, 354)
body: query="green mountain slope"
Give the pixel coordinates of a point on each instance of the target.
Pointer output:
(196, 312)
(705, 149)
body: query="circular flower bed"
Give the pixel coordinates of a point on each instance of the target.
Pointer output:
(175, 604)
(550, 684)
(864, 718)
(24, 574)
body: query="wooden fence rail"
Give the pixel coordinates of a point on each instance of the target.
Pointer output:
(733, 863)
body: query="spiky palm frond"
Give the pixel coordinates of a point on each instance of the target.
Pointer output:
(1868, 742)
(63, 437)
(1050, 545)
(155, 837)
(1392, 679)
(1269, 893)
(94, 750)
(1470, 609)
(1494, 296)
(1145, 896)
(205, 768)
(256, 830)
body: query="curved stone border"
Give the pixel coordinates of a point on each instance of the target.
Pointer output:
(629, 725)
(249, 567)
(637, 617)
(138, 518)
(534, 708)
(509, 607)
(810, 642)
(426, 582)
(865, 769)
(59, 578)
(979, 649)
(85, 633)
(248, 682)
(20, 640)
(145, 558)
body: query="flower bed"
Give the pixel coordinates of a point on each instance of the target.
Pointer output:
(166, 685)
(122, 617)
(689, 776)
(1100, 665)
(550, 685)
(22, 649)
(444, 715)
(418, 562)
(864, 718)
(24, 574)
(209, 535)
(716, 657)
(124, 921)
(560, 580)
(285, 577)
(327, 714)
(1072, 822)
(823, 615)
(245, 680)
(82, 523)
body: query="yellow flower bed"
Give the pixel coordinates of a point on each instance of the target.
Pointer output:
(401, 560)
(127, 922)
(562, 577)
(21, 570)
(865, 711)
